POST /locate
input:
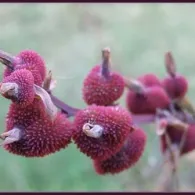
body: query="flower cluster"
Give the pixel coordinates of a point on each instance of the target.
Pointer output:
(37, 123)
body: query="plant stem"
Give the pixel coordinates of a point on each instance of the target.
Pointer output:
(106, 62)
(170, 64)
(68, 110)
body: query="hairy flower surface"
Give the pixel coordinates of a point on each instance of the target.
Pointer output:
(109, 129)
(149, 80)
(127, 157)
(148, 101)
(100, 90)
(31, 61)
(176, 87)
(34, 128)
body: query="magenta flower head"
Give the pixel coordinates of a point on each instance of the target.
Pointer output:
(176, 85)
(127, 157)
(34, 128)
(27, 59)
(145, 100)
(101, 131)
(19, 87)
(102, 86)
(149, 80)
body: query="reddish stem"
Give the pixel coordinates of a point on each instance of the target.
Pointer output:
(68, 110)
(137, 118)
(143, 118)
(134, 85)
(8, 60)
(106, 62)
(170, 64)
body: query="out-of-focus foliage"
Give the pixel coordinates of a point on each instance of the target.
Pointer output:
(70, 37)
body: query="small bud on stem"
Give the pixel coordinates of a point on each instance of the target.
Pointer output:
(170, 64)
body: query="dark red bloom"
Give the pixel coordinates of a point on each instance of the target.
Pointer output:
(101, 86)
(127, 157)
(149, 80)
(39, 136)
(27, 59)
(19, 87)
(33, 126)
(145, 100)
(176, 86)
(101, 131)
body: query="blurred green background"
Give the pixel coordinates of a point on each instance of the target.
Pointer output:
(70, 38)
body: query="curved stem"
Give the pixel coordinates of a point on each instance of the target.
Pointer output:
(8, 60)
(68, 110)
(134, 85)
